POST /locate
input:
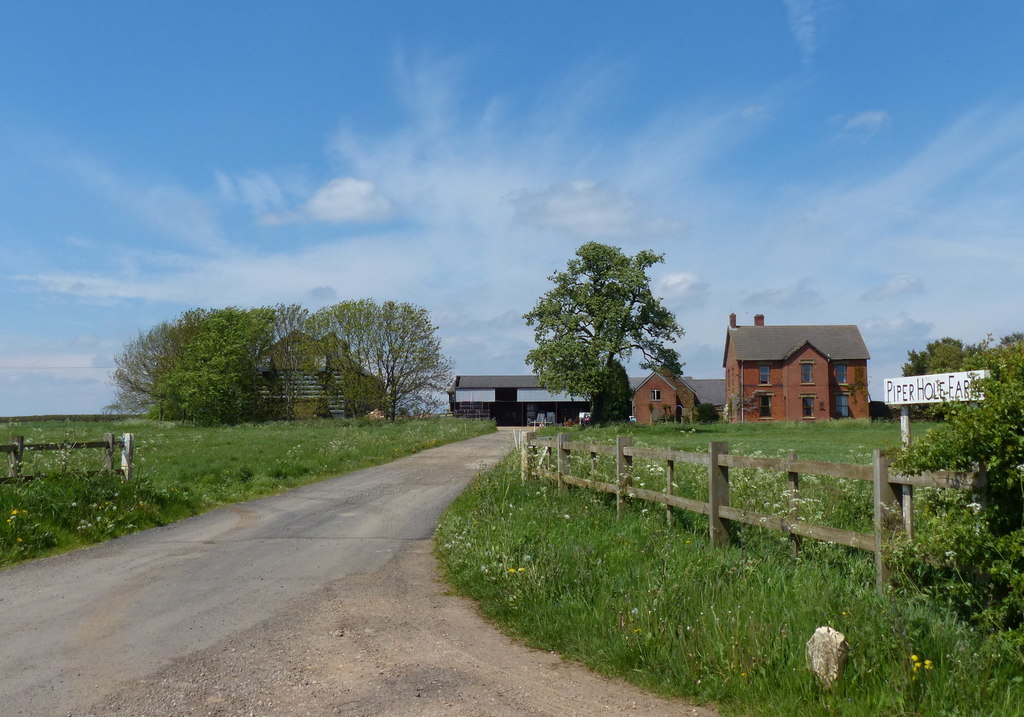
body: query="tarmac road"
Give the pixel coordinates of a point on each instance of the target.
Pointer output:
(77, 628)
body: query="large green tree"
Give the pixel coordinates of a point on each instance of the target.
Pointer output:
(216, 379)
(148, 359)
(598, 313)
(388, 354)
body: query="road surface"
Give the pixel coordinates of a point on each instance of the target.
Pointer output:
(323, 600)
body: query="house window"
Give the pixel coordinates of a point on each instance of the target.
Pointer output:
(764, 406)
(807, 373)
(842, 405)
(840, 373)
(807, 406)
(764, 374)
(655, 394)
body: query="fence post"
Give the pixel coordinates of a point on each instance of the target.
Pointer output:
(108, 453)
(623, 471)
(127, 456)
(670, 477)
(795, 541)
(886, 516)
(561, 459)
(718, 495)
(15, 457)
(524, 448)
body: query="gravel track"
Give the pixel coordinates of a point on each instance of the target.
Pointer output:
(390, 642)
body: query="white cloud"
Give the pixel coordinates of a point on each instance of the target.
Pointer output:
(870, 121)
(347, 200)
(682, 288)
(340, 201)
(590, 210)
(896, 286)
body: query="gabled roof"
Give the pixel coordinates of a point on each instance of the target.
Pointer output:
(707, 390)
(775, 343)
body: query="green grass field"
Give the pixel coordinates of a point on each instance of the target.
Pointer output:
(654, 604)
(182, 471)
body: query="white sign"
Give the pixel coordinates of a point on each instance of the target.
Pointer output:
(934, 388)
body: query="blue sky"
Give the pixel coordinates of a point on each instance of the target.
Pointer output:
(814, 161)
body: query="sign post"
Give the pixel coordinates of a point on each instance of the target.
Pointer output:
(932, 388)
(906, 391)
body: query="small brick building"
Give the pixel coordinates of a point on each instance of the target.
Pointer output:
(664, 397)
(806, 373)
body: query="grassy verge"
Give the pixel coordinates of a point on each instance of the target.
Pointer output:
(654, 604)
(182, 471)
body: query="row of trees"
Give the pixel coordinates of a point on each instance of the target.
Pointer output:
(950, 354)
(216, 366)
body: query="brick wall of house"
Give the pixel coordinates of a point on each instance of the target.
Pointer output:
(786, 388)
(648, 410)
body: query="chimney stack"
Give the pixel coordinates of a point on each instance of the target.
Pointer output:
(732, 320)
(758, 319)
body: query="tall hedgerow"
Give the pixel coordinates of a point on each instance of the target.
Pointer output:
(969, 549)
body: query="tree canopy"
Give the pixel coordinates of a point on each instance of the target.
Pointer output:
(395, 343)
(230, 365)
(598, 313)
(949, 354)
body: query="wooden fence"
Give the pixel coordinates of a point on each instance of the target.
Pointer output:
(892, 495)
(17, 449)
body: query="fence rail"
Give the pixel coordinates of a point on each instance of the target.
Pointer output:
(17, 449)
(892, 492)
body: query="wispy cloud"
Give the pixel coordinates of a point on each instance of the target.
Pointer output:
(341, 201)
(798, 294)
(803, 25)
(682, 288)
(259, 191)
(590, 210)
(896, 286)
(171, 210)
(863, 125)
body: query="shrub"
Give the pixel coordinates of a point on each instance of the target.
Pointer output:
(971, 547)
(706, 413)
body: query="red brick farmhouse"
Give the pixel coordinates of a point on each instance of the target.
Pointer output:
(805, 373)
